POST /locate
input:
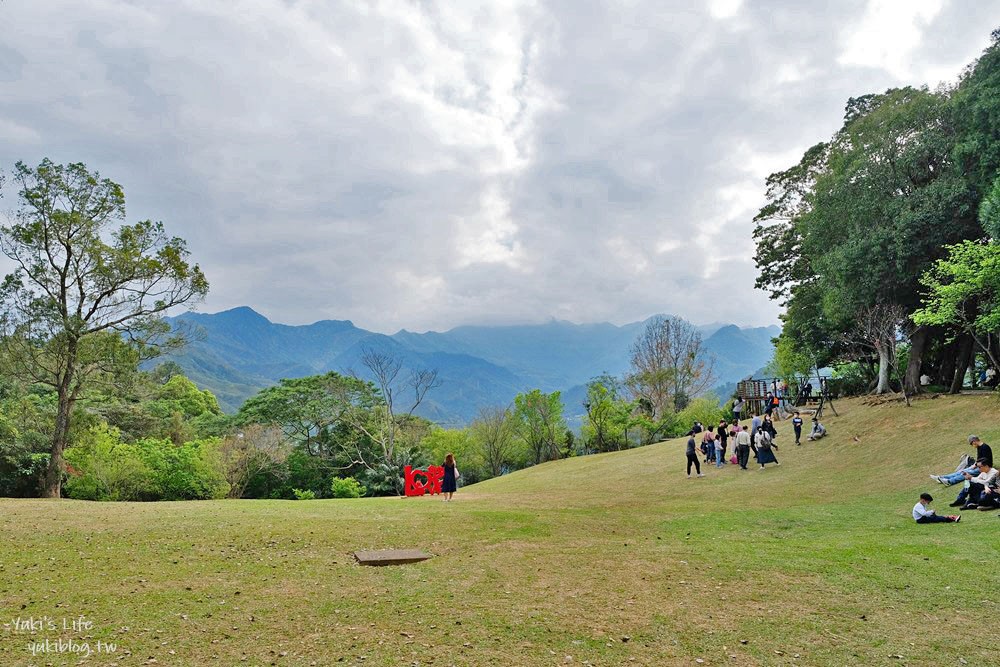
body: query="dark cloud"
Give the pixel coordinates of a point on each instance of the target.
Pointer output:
(429, 164)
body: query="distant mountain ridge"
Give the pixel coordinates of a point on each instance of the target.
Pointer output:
(237, 352)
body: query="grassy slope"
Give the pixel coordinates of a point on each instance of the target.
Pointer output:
(815, 562)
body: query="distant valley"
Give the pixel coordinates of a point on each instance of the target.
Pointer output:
(237, 352)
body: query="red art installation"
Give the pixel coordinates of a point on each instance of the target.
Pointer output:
(431, 482)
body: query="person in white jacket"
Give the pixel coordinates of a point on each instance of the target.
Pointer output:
(984, 488)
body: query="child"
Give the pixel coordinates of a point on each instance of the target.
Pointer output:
(924, 514)
(797, 424)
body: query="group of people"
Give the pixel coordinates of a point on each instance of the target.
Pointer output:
(758, 438)
(980, 486)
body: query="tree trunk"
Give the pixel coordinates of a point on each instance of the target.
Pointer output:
(918, 343)
(964, 359)
(53, 476)
(883, 370)
(948, 362)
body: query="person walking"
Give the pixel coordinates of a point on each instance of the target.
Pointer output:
(797, 425)
(450, 482)
(722, 441)
(692, 455)
(743, 448)
(765, 449)
(768, 425)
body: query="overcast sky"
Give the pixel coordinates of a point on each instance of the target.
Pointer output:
(420, 164)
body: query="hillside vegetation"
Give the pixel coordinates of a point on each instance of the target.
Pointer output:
(609, 559)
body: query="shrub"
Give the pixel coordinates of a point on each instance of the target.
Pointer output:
(304, 495)
(705, 409)
(192, 471)
(347, 487)
(104, 468)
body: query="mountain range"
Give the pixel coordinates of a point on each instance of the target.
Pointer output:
(237, 352)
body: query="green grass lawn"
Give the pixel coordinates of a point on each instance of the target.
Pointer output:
(614, 559)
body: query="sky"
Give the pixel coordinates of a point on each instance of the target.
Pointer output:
(423, 165)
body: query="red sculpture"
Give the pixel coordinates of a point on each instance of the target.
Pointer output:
(431, 482)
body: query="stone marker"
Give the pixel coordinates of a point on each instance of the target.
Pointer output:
(391, 557)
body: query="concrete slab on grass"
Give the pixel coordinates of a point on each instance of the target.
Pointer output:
(390, 557)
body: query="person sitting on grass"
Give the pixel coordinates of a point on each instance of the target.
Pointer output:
(818, 430)
(966, 465)
(922, 513)
(984, 489)
(983, 451)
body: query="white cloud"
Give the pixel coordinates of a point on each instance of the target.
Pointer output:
(887, 35)
(428, 164)
(724, 9)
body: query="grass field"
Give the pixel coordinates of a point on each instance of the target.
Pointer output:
(616, 559)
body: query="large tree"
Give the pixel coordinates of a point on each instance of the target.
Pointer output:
(964, 292)
(400, 395)
(609, 415)
(308, 408)
(88, 292)
(494, 430)
(860, 218)
(540, 422)
(669, 365)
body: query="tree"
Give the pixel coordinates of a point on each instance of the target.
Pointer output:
(253, 451)
(495, 431)
(964, 292)
(306, 408)
(540, 423)
(383, 423)
(669, 366)
(87, 292)
(608, 415)
(862, 216)
(877, 329)
(976, 115)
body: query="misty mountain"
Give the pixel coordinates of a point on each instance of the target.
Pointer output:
(237, 352)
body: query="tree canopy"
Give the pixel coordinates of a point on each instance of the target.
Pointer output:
(88, 292)
(857, 227)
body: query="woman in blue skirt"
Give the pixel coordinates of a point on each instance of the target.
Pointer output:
(450, 482)
(765, 448)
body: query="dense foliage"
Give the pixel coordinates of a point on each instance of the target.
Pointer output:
(882, 236)
(87, 293)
